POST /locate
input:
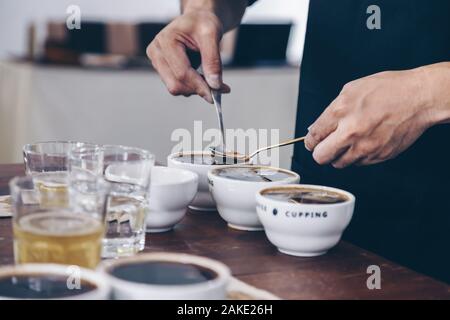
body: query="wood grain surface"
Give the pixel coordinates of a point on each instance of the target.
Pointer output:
(340, 274)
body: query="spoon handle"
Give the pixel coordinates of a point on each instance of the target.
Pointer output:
(217, 99)
(284, 143)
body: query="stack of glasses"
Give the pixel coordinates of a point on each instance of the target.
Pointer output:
(80, 202)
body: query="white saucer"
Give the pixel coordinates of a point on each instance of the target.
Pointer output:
(5, 207)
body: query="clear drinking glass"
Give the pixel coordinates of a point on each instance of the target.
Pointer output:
(50, 156)
(128, 171)
(51, 226)
(87, 158)
(49, 162)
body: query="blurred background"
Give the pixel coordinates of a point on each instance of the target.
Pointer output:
(95, 84)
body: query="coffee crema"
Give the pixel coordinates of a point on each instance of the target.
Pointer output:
(40, 286)
(305, 195)
(163, 273)
(256, 174)
(203, 159)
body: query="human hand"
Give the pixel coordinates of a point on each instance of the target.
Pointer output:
(197, 30)
(372, 120)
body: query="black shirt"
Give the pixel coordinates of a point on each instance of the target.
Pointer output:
(403, 205)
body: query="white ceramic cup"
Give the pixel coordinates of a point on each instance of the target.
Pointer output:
(304, 230)
(72, 273)
(203, 200)
(235, 199)
(171, 191)
(214, 289)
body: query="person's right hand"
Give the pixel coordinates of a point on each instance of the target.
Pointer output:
(195, 30)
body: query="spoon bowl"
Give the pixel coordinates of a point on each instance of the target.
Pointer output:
(218, 151)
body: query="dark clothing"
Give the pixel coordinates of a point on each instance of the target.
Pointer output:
(402, 205)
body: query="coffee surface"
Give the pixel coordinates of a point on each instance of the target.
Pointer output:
(163, 273)
(307, 196)
(206, 159)
(40, 286)
(256, 174)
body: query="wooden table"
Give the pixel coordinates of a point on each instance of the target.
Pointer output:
(340, 274)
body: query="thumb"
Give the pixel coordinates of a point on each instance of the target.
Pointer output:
(211, 62)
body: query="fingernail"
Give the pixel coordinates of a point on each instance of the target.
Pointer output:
(208, 98)
(309, 128)
(307, 137)
(214, 80)
(306, 147)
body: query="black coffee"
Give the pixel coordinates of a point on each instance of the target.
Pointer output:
(206, 159)
(256, 174)
(163, 273)
(308, 196)
(40, 286)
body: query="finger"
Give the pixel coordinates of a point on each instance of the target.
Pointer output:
(176, 58)
(198, 85)
(209, 46)
(225, 88)
(159, 63)
(174, 86)
(329, 149)
(322, 127)
(347, 158)
(175, 55)
(366, 161)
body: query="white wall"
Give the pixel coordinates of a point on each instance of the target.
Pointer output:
(16, 14)
(133, 107)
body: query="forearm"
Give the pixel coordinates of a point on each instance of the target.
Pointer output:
(436, 88)
(229, 12)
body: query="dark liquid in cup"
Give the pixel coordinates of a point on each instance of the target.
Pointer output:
(40, 286)
(163, 273)
(307, 196)
(256, 174)
(206, 159)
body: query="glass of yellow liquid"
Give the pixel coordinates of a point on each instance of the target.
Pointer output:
(49, 164)
(58, 225)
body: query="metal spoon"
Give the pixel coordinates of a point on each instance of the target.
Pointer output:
(217, 99)
(246, 158)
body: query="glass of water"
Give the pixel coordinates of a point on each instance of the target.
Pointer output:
(86, 159)
(48, 164)
(50, 156)
(128, 171)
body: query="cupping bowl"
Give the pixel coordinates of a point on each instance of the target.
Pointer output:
(171, 191)
(203, 200)
(304, 229)
(235, 198)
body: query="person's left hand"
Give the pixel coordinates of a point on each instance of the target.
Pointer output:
(372, 120)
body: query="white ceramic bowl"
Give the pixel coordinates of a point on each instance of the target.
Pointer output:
(304, 230)
(73, 274)
(203, 200)
(235, 199)
(171, 191)
(214, 289)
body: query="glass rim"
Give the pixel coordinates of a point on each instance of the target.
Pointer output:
(15, 181)
(89, 148)
(147, 154)
(13, 184)
(27, 147)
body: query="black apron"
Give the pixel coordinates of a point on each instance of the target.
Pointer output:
(403, 205)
